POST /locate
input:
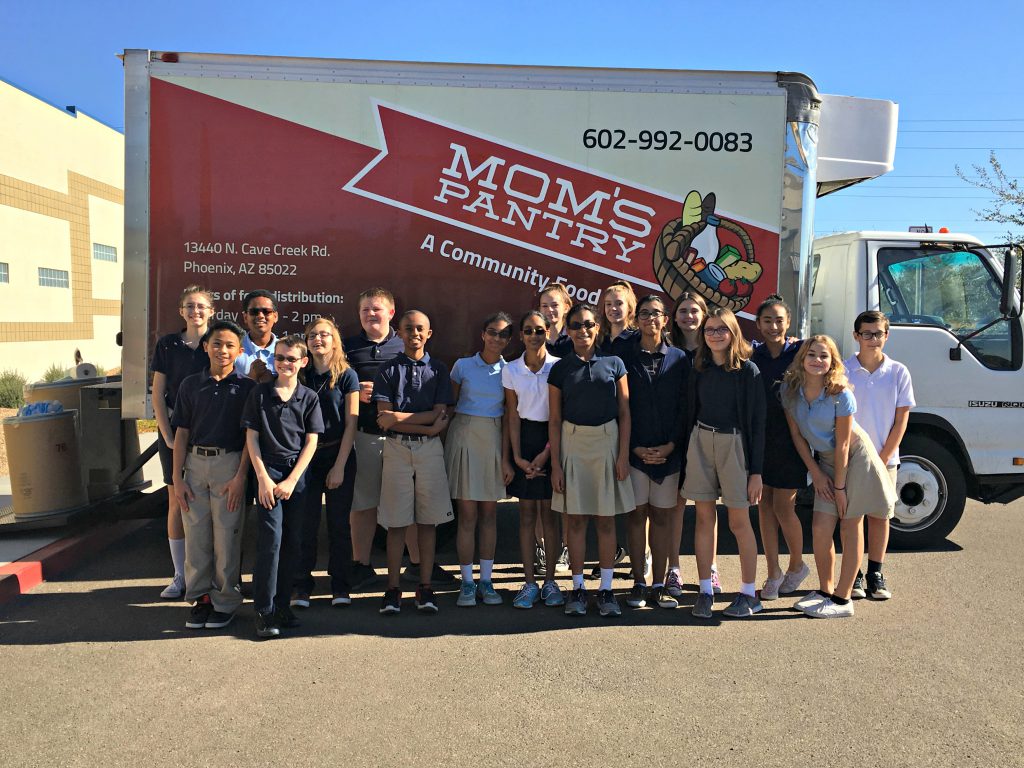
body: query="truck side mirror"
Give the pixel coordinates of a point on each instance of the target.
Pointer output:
(1011, 278)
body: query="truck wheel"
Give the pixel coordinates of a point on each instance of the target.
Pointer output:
(932, 493)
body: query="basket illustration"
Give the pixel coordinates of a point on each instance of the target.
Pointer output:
(689, 257)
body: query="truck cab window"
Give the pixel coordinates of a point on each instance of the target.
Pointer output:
(955, 290)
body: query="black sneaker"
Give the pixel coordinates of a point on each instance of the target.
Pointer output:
(411, 574)
(341, 600)
(660, 597)
(266, 625)
(219, 619)
(637, 596)
(877, 589)
(200, 613)
(363, 577)
(392, 601)
(440, 576)
(285, 619)
(540, 558)
(425, 599)
(858, 587)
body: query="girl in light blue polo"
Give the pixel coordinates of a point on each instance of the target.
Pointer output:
(473, 456)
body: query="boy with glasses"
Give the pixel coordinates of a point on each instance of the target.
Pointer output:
(259, 312)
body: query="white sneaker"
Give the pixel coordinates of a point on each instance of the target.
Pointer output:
(770, 590)
(175, 590)
(809, 601)
(791, 581)
(826, 609)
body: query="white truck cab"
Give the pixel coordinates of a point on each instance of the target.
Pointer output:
(956, 324)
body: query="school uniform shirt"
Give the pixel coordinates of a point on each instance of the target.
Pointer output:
(657, 403)
(175, 360)
(283, 425)
(332, 399)
(773, 369)
(610, 346)
(731, 400)
(480, 390)
(211, 410)
(817, 419)
(531, 388)
(251, 352)
(589, 390)
(878, 395)
(560, 347)
(413, 386)
(367, 357)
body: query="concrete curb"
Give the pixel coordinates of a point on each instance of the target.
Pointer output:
(44, 564)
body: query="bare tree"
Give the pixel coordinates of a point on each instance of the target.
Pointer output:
(1007, 205)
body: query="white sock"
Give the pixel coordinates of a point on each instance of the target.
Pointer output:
(705, 587)
(178, 556)
(577, 581)
(486, 567)
(467, 573)
(748, 589)
(714, 567)
(606, 577)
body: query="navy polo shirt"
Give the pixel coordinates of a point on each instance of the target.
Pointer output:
(773, 369)
(560, 347)
(610, 346)
(332, 399)
(211, 410)
(413, 386)
(283, 426)
(367, 357)
(589, 392)
(175, 359)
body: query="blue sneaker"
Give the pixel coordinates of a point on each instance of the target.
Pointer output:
(552, 594)
(467, 595)
(487, 594)
(527, 597)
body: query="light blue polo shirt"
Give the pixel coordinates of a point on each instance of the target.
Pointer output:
(480, 390)
(817, 419)
(251, 352)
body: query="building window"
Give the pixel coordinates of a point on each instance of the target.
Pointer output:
(5, 272)
(53, 278)
(104, 252)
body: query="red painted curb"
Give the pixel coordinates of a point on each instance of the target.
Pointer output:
(19, 577)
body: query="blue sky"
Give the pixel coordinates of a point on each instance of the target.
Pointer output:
(959, 95)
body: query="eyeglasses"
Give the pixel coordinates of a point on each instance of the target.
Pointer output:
(650, 314)
(255, 311)
(319, 335)
(534, 331)
(194, 307)
(576, 325)
(720, 331)
(869, 335)
(504, 333)
(287, 359)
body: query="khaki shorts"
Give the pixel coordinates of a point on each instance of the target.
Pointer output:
(415, 486)
(662, 495)
(716, 467)
(369, 460)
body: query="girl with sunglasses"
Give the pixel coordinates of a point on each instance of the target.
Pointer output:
(473, 456)
(588, 429)
(526, 407)
(725, 454)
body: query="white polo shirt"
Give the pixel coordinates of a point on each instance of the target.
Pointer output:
(878, 395)
(531, 388)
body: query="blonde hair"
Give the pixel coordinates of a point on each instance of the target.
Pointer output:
(561, 290)
(835, 377)
(739, 348)
(626, 289)
(339, 361)
(190, 289)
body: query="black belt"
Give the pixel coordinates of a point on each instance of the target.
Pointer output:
(409, 438)
(720, 430)
(200, 450)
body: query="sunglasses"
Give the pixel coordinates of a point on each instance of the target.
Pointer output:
(722, 331)
(504, 333)
(869, 335)
(576, 325)
(650, 314)
(287, 359)
(256, 311)
(533, 331)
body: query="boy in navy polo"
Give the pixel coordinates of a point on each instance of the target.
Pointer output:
(282, 420)
(413, 393)
(210, 466)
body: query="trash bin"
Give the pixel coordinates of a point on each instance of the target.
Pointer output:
(43, 457)
(108, 443)
(66, 391)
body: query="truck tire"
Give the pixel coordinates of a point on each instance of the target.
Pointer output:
(932, 494)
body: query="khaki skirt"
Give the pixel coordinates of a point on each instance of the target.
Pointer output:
(869, 487)
(588, 462)
(472, 457)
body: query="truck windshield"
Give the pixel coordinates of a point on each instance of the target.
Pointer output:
(957, 290)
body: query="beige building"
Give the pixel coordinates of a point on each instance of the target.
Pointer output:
(61, 236)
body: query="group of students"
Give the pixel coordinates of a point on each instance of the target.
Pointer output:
(633, 407)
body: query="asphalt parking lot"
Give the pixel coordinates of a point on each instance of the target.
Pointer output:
(96, 670)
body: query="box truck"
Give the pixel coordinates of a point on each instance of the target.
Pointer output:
(469, 188)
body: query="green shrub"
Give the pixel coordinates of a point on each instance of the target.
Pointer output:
(12, 385)
(55, 373)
